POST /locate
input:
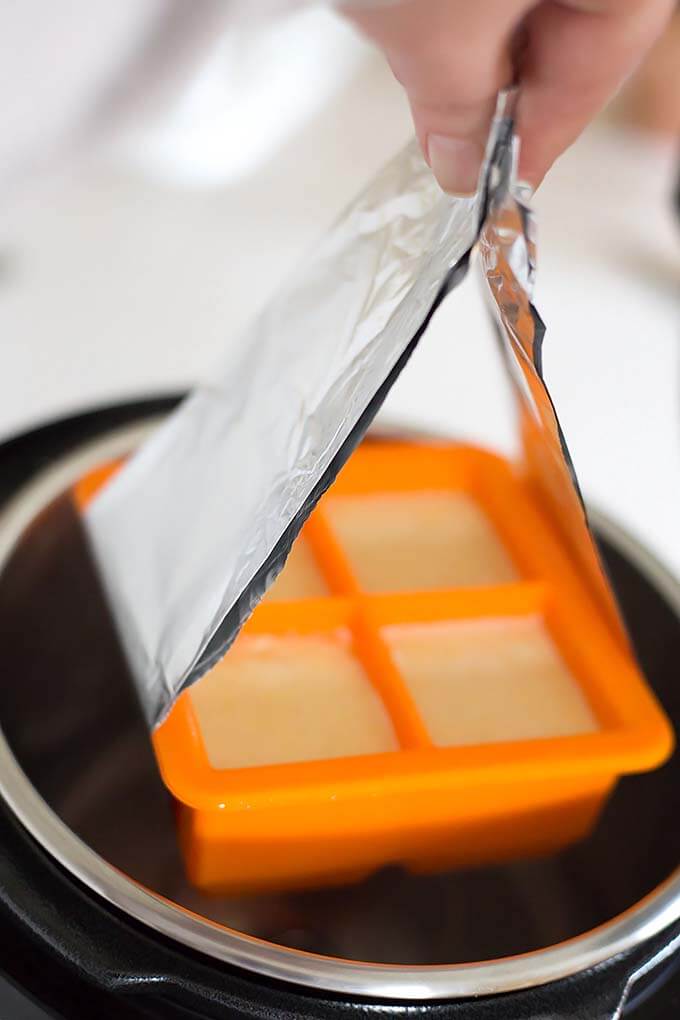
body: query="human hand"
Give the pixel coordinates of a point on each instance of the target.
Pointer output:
(453, 56)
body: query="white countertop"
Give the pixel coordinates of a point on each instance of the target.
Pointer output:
(116, 282)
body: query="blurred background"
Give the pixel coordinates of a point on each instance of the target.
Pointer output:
(164, 166)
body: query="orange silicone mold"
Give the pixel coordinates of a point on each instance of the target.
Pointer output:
(423, 806)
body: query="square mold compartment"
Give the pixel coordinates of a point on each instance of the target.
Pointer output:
(276, 756)
(489, 680)
(531, 711)
(291, 697)
(419, 519)
(415, 541)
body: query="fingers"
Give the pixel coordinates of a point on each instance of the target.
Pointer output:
(452, 57)
(577, 54)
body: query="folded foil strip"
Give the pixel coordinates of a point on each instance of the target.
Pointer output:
(508, 256)
(191, 533)
(196, 527)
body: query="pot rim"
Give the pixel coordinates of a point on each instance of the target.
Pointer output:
(623, 933)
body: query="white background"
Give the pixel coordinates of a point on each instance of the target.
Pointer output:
(128, 271)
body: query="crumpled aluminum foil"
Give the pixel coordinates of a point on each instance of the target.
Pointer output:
(191, 533)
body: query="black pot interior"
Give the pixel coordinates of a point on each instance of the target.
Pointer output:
(69, 713)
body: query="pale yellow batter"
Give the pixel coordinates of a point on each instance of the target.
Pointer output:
(301, 578)
(418, 541)
(289, 698)
(478, 682)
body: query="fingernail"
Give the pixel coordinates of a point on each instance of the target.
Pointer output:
(455, 163)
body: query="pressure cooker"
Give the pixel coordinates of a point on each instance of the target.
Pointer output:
(96, 917)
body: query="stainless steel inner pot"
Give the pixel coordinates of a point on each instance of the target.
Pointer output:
(85, 786)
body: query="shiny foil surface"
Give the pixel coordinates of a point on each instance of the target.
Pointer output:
(194, 529)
